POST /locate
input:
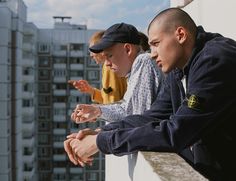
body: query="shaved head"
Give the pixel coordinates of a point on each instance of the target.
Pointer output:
(169, 19)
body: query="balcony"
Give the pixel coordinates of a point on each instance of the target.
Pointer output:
(59, 118)
(59, 170)
(77, 53)
(57, 92)
(59, 79)
(76, 66)
(28, 111)
(28, 95)
(28, 126)
(151, 166)
(58, 131)
(59, 157)
(28, 62)
(29, 173)
(59, 105)
(29, 158)
(59, 66)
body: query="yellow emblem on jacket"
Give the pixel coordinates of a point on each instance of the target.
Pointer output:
(193, 102)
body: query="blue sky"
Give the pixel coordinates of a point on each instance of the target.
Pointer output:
(97, 14)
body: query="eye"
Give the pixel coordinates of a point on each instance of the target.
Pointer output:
(156, 43)
(108, 55)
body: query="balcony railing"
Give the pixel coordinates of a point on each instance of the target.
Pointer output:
(151, 166)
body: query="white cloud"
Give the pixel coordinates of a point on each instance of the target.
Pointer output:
(94, 13)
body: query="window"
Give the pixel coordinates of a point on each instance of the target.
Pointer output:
(92, 176)
(27, 55)
(59, 176)
(59, 151)
(44, 113)
(44, 126)
(76, 60)
(60, 99)
(44, 48)
(91, 63)
(44, 152)
(59, 111)
(27, 103)
(59, 73)
(44, 100)
(44, 165)
(27, 134)
(76, 47)
(44, 62)
(28, 167)
(60, 125)
(58, 138)
(44, 74)
(60, 86)
(78, 177)
(27, 151)
(76, 73)
(43, 139)
(93, 74)
(59, 60)
(27, 71)
(28, 87)
(44, 87)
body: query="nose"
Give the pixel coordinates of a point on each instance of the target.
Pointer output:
(108, 63)
(154, 54)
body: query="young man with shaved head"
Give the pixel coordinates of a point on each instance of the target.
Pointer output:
(194, 113)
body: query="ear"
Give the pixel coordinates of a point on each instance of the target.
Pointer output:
(128, 48)
(181, 34)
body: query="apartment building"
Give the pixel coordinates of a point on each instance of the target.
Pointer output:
(35, 99)
(12, 20)
(63, 55)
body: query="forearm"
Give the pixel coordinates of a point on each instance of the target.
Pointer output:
(113, 112)
(125, 141)
(131, 121)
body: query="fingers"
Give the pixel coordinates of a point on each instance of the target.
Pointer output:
(82, 85)
(82, 113)
(74, 158)
(69, 151)
(71, 81)
(72, 135)
(82, 133)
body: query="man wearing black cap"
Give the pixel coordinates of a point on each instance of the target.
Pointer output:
(120, 45)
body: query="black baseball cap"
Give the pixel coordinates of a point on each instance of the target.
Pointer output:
(117, 33)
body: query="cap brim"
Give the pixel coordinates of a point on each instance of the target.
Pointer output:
(99, 47)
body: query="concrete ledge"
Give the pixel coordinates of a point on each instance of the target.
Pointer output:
(150, 166)
(166, 166)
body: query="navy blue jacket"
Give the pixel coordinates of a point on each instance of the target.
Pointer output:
(198, 125)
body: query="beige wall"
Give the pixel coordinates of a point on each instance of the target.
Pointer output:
(214, 16)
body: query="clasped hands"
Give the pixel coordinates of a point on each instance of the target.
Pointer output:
(80, 147)
(85, 113)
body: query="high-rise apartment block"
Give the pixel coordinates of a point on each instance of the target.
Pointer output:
(35, 99)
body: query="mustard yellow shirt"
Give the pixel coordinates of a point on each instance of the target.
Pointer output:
(113, 87)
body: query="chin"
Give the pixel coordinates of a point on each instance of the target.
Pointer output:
(165, 70)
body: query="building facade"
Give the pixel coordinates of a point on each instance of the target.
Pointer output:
(63, 55)
(35, 99)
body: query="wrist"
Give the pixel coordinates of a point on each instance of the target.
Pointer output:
(92, 91)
